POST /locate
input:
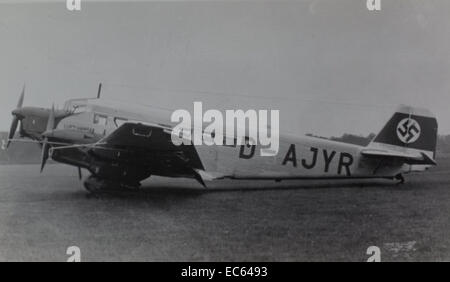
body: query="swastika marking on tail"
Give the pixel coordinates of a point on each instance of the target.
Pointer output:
(408, 130)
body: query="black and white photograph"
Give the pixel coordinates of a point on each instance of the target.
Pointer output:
(216, 131)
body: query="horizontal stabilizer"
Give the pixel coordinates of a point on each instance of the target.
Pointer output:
(421, 158)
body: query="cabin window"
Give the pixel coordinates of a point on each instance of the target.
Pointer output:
(119, 121)
(100, 119)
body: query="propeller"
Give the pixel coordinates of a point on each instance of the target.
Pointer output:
(15, 121)
(45, 144)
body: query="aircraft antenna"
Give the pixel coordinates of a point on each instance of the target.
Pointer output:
(99, 90)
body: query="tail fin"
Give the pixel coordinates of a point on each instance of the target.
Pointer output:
(409, 130)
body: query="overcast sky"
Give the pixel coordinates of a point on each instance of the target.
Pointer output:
(328, 66)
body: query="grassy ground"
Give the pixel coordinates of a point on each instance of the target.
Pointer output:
(41, 215)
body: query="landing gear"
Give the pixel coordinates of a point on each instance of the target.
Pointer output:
(400, 178)
(96, 185)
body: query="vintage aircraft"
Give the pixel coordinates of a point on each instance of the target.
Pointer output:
(121, 145)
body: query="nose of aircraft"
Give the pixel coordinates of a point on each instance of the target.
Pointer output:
(17, 112)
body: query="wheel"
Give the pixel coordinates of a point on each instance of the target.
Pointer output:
(400, 178)
(94, 184)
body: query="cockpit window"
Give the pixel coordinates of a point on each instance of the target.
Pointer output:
(78, 109)
(119, 121)
(76, 105)
(100, 119)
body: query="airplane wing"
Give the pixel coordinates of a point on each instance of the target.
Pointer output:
(140, 141)
(147, 146)
(422, 158)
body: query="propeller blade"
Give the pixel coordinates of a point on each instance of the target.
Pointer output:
(44, 157)
(15, 121)
(80, 174)
(22, 95)
(45, 145)
(12, 130)
(51, 119)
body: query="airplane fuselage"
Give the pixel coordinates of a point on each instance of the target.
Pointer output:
(90, 122)
(298, 158)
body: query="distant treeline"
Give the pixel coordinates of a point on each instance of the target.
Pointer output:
(20, 153)
(443, 144)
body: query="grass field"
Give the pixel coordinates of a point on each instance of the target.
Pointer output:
(177, 220)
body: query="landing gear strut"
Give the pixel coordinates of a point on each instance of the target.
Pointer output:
(400, 178)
